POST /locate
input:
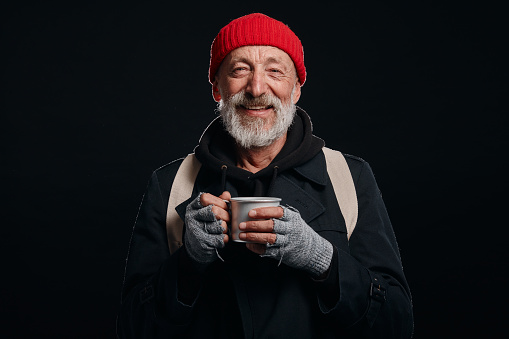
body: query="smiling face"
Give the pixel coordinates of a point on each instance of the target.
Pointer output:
(257, 88)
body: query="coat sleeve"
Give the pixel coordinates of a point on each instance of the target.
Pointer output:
(150, 307)
(374, 299)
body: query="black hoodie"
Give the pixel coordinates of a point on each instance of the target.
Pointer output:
(217, 153)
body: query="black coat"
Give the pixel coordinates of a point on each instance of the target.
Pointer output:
(364, 295)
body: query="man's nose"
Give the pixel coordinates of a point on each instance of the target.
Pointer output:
(257, 84)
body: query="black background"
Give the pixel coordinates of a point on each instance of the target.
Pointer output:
(95, 97)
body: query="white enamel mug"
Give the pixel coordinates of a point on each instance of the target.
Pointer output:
(241, 206)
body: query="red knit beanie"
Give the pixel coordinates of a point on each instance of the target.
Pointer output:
(256, 29)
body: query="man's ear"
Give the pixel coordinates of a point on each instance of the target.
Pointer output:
(296, 93)
(215, 91)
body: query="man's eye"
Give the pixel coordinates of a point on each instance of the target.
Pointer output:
(275, 70)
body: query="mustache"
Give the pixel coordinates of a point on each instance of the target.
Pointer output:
(247, 100)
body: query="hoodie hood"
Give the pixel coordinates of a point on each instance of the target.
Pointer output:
(217, 152)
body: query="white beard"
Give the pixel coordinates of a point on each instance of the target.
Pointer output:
(251, 132)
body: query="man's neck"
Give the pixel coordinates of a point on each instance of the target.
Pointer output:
(256, 159)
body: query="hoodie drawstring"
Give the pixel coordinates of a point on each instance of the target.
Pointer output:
(274, 175)
(223, 177)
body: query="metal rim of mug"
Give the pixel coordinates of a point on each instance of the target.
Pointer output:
(255, 199)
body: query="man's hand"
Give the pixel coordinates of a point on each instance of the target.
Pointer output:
(261, 231)
(206, 226)
(280, 233)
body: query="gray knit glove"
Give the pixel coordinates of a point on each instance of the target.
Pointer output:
(298, 245)
(204, 234)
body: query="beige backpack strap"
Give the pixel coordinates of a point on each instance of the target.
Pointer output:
(344, 188)
(181, 190)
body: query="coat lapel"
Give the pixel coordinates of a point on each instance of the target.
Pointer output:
(294, 196)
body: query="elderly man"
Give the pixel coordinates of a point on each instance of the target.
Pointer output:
(300, 275)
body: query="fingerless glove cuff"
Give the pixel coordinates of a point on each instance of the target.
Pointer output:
(320, 257)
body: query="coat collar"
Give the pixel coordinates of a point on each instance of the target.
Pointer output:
(314, 170)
